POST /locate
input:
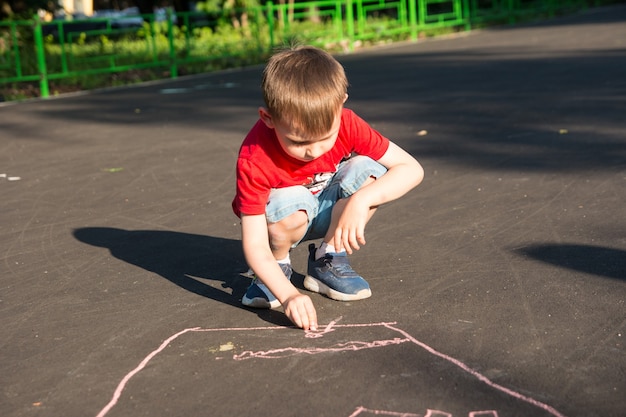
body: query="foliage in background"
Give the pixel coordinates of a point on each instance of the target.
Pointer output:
(24, 9)
(221, 35)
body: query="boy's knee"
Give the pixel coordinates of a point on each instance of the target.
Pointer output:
(289, 228)
(285, 202)
(361, 171)
(370, 168)
(293, 221)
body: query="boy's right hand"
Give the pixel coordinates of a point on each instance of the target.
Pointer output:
(299, 308)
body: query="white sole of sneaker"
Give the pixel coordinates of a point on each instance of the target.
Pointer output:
(314, 285)
(260, 303)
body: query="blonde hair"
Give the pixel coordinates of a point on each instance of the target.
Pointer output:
(305, 88)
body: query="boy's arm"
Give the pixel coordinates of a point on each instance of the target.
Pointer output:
(404, 173)
(298, 307)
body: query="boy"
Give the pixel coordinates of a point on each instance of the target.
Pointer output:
(311, 169)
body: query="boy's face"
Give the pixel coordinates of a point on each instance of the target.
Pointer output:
(299, 147)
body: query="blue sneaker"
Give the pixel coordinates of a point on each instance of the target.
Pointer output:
(259, 296)
(333, 276)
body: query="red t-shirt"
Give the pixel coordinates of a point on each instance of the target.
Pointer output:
(263, 164)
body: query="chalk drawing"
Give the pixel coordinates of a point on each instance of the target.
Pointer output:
(339, 347)
(313, 334)
(429, 413)
(290, 351)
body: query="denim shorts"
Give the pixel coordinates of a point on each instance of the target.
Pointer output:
(350, 176)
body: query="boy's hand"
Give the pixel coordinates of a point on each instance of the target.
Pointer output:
(299, 308)
(350, 231)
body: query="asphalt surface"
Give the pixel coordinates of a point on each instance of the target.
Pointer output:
(498, 284)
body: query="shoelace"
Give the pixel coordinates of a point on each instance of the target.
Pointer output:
(343, 268)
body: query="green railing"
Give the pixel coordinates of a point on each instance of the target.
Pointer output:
(35, 51)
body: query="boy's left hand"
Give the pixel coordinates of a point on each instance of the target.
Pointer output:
(350, 230)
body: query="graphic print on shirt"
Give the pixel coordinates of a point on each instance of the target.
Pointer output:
(319, 182)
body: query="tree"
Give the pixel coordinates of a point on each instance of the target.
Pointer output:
(232, 10)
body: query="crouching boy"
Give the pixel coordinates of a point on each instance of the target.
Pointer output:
(311, 169)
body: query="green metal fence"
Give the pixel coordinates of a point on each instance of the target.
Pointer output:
(36, 51)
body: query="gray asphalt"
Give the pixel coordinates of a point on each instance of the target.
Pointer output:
(498, 284)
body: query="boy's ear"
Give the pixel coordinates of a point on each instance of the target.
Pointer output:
(266, 117)
(345, 98)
